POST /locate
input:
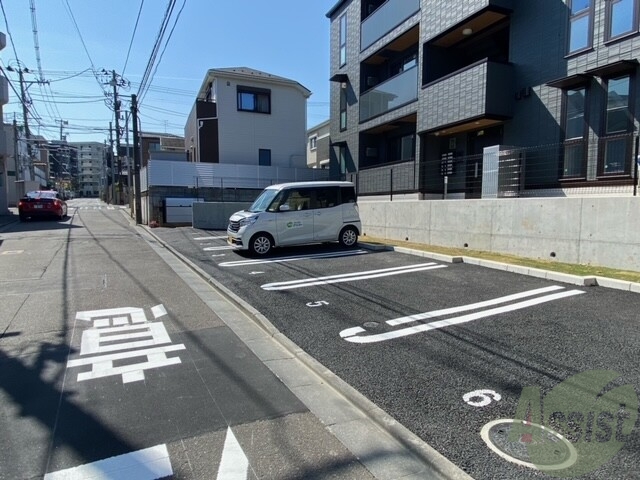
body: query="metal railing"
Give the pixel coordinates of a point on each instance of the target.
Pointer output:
(604, 166)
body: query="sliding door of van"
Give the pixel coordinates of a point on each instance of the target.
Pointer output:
(295, 224)
(327, 214)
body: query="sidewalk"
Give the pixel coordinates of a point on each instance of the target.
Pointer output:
(10, 218)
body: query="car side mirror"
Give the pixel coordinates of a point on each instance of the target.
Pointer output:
(284, 207)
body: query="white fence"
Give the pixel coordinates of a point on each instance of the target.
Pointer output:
(200, 175)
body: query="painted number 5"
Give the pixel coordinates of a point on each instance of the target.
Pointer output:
(317, 304)
(481, 398)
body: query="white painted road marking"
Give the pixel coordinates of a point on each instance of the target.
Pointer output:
(234, 464)
(103, 364)
(296, 258)
(351, 334)
(12, 252)
(350, 277)
(148, 464)
(471, 306)
(215, 249)
(486, 397)
(121, 330)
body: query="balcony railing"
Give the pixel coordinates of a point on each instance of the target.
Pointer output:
(484, 85)
(393, 93)
(390, 14)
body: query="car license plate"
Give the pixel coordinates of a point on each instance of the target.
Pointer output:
(37, 206)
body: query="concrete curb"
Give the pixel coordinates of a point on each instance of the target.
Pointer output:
(441, 467)
(588, 281)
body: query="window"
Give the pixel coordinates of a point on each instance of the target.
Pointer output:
(574, 132)
(618, 123)
(574, 115)
(622, 18)
(264, 157)
(254, 100)
(343, 40)
(618, 113)
(343, 107)
(326, 197)
(313, 143)
(580, 20)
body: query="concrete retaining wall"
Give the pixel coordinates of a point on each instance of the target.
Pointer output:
(215, 215)
(597, 231)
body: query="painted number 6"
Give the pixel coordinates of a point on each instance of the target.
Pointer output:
(481, 398)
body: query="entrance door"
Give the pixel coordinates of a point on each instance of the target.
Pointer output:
(476, 142)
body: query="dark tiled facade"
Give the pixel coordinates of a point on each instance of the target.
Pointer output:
(429, 78)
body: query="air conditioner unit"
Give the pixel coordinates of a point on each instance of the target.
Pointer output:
(372, 81)
(371, 152)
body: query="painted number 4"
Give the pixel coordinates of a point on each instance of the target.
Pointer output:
(321, 303)
(481, 398)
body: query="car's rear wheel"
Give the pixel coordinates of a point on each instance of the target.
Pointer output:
(23, 217)
(261, 244)
(348, 236)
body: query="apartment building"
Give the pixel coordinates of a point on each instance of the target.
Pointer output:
(423, 88)
(91, 173)
(244, 116)
(318, 142)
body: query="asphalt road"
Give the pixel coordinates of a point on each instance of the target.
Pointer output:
(108, 359)
(446, 349)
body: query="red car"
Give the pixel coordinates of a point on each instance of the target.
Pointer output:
(42, 203)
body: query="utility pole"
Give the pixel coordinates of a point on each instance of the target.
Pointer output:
(16, 156)
(116, 107)
(62, 123)
(113, 167)
(25, 115)
(136, 158)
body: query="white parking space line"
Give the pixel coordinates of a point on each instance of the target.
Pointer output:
(240, 263)
(215, 249)
(350, 277)
(148, 464)
(472, 306)
(352, 334)
(234, 464)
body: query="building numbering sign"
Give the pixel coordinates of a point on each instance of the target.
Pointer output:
(122, 341)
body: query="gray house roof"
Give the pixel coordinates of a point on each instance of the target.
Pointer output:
(245, 73)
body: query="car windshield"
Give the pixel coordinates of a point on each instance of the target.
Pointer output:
(263, 201)
(41, 194)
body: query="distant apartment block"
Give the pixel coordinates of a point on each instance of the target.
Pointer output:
(424, 86)
(318, 141)
(91, 171)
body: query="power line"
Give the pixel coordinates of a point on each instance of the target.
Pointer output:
(156, 46)
(6, 22)
(93, 68)
(165, 46)
(135, 28)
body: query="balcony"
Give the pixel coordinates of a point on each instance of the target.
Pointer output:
(391, 94)
(476, 94)
(388, 16)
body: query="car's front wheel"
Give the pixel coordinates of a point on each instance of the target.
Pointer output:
(261, 244)
(348, 236)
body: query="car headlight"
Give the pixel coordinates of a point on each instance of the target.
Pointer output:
(248, 221)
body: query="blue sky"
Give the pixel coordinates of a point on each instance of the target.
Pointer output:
(289, 38)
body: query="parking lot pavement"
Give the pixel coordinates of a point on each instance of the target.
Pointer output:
(448, 349)
(386, 448)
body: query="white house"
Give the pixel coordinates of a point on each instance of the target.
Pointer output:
(244, 116)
